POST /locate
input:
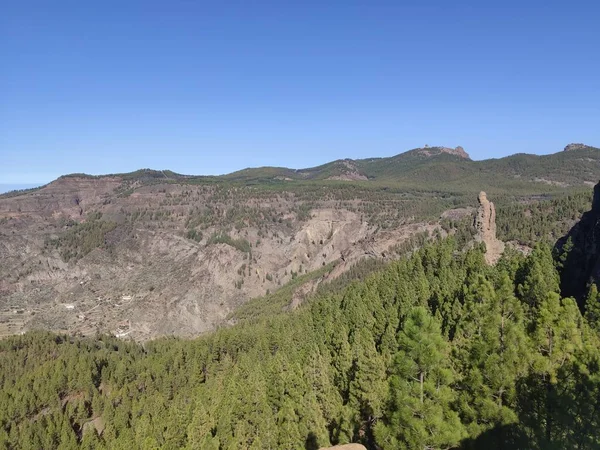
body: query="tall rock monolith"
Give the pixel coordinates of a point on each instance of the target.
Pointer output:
(485, 224)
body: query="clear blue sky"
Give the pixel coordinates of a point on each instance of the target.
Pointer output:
(211, 87)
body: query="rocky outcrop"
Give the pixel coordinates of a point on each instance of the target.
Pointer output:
(574, 147)
(348, 171)
(485, 224)
(433, 151)
(579, 253)
(459, 151)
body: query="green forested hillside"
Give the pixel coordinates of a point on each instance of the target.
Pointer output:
(430, 167)
(436, 351)
(542, 219)
(423, 168)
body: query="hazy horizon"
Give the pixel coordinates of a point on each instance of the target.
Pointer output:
(8, 187)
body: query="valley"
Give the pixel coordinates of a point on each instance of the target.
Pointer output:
(154, 253)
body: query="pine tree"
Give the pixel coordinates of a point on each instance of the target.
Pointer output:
(493, 360)
(200, 428)
(564, 253)
(557, 338)
(419, 413)
(368, 388)
(538, 276)
(592, 307)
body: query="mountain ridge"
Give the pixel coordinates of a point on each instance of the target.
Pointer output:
(364, 169)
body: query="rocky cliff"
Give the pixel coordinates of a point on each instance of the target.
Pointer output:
(434, 151)
(574, 147)
(579, 252)
(485, 224)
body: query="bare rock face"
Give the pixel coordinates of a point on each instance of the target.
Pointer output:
(147, 278)
(434, 151)
(573, 147)
(485, 221)
(459, 151)
(485, 224)
(580, 251)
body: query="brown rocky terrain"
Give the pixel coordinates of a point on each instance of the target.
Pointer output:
(106, 254)
(151, 253)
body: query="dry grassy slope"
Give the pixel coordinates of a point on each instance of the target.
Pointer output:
(149, 279)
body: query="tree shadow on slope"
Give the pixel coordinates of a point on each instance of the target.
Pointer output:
(311, 442)
(551, 415)
(501, 437)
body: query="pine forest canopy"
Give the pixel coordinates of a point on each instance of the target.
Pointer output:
(438, 350)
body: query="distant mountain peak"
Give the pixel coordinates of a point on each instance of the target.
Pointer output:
(574, 146)
(433, 151)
